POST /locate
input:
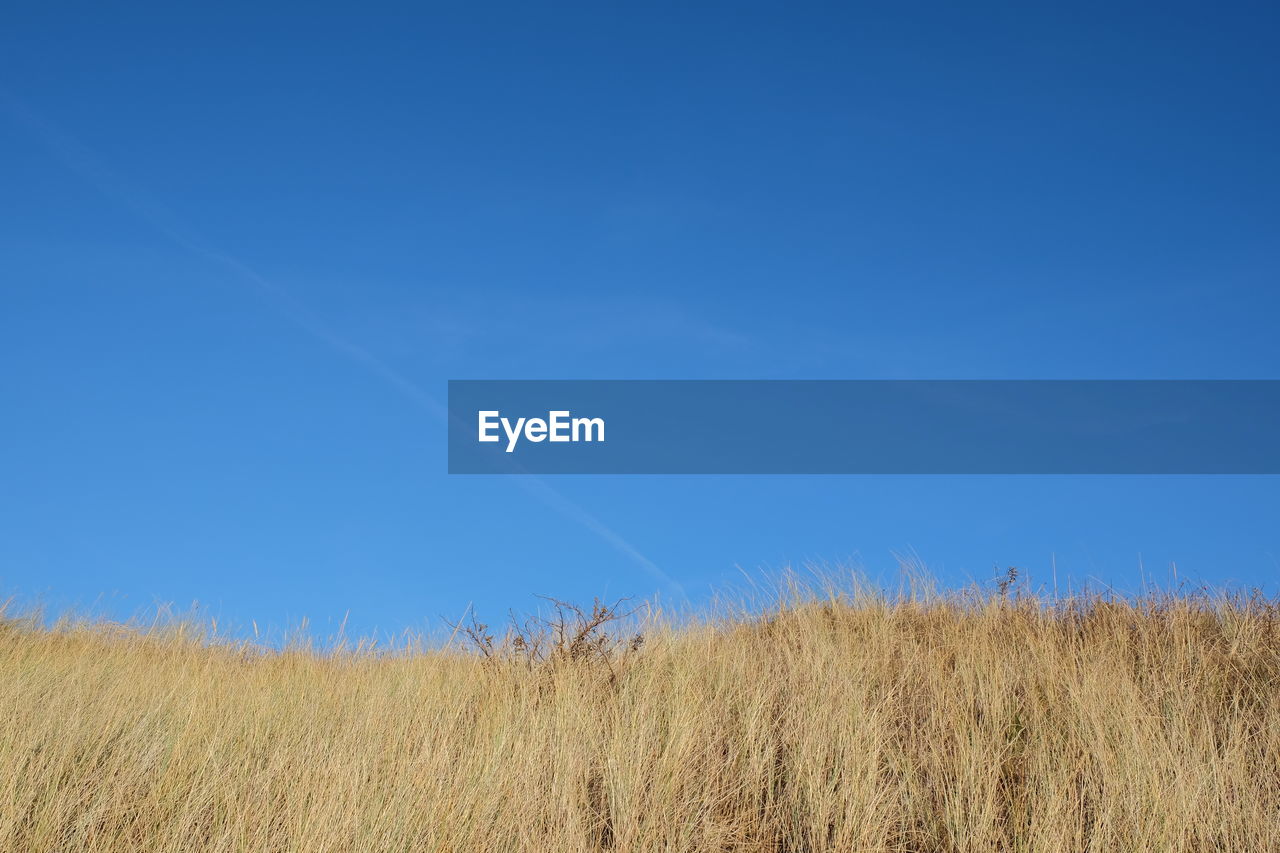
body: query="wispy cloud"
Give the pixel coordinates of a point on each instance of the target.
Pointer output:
(86, 163)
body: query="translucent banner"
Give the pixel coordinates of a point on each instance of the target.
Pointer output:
(864, 427)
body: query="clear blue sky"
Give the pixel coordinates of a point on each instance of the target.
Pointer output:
(242, 250)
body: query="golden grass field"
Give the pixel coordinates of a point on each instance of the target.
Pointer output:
(840, 721)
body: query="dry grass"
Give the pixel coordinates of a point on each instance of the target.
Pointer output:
(840, 722)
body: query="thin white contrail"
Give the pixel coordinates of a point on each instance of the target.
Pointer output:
(84, 162)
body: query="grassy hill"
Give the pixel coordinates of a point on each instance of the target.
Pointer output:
(833, 721)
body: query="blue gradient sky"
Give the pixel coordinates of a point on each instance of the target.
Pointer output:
(242, 250)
